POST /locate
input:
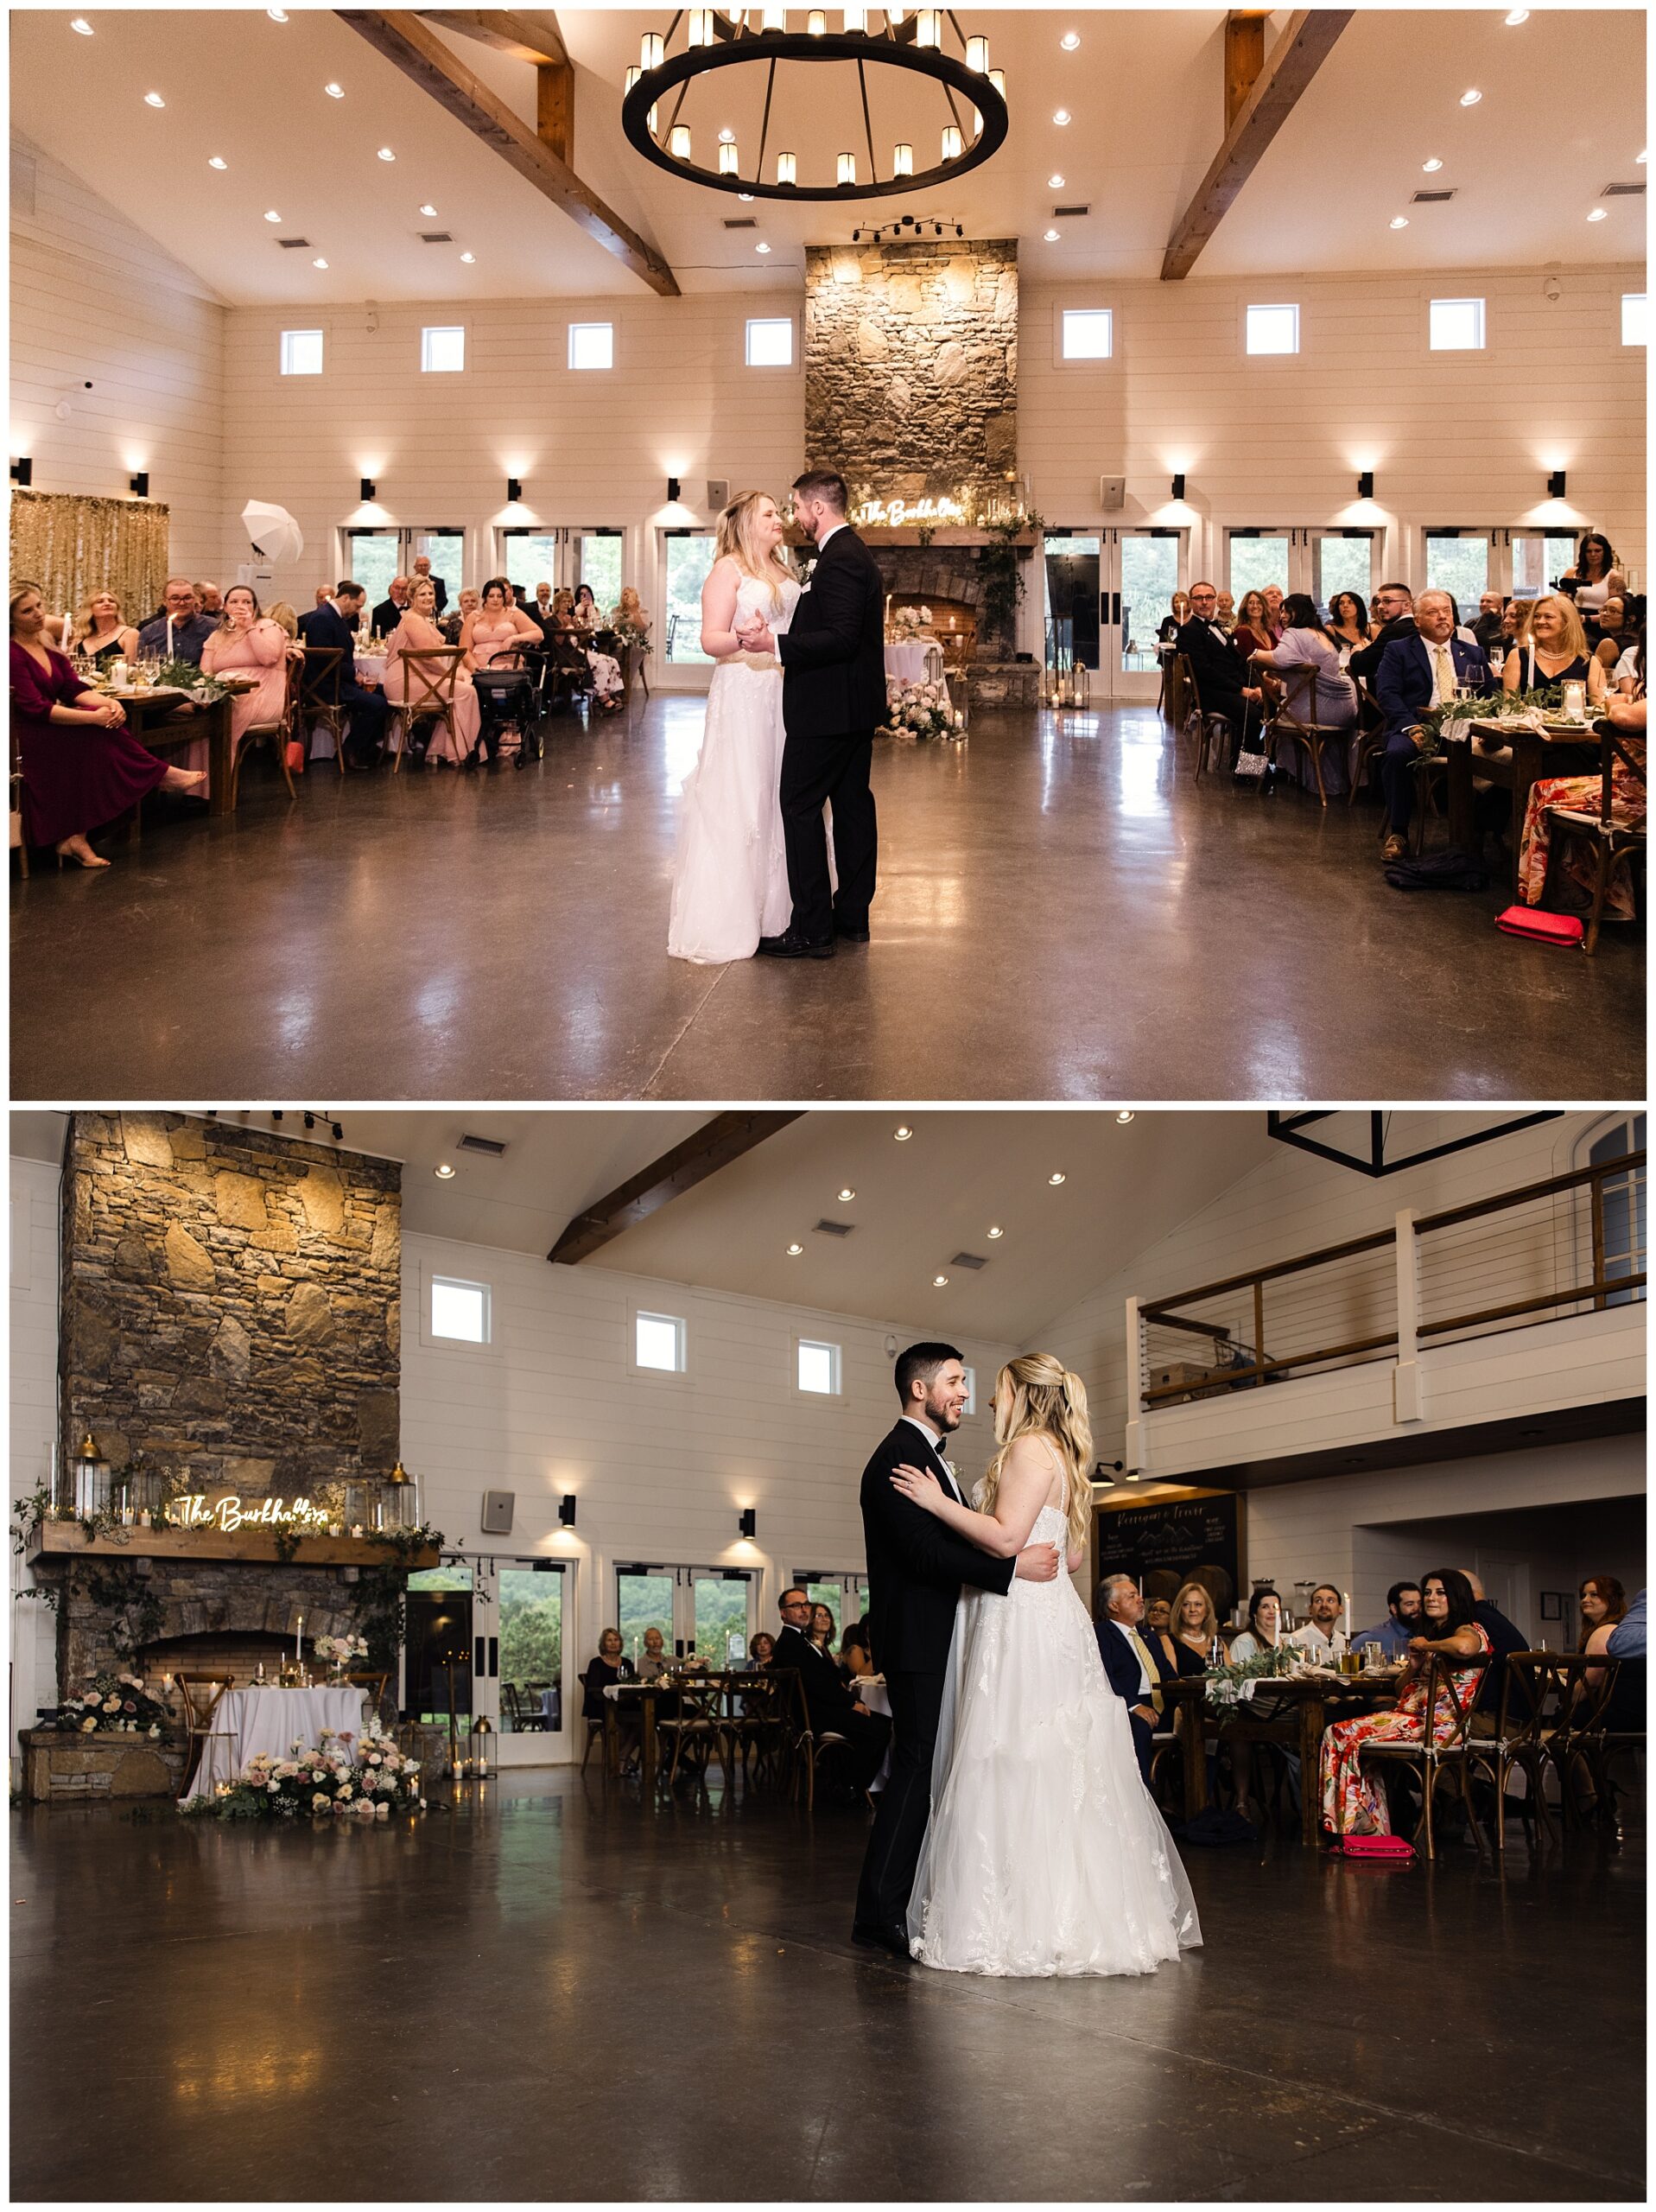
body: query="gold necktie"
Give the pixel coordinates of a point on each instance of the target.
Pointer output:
(1144, 1660)
(1446, 685)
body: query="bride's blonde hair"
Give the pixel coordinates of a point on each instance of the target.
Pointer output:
(736, 528)
(1047, 1400)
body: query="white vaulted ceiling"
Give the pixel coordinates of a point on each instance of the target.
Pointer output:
(1561, 115)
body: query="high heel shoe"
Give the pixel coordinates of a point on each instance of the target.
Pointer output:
(96, 861)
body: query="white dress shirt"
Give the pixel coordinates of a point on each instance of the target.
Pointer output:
(822, 546)
(1311, 1641)
(935, 1442)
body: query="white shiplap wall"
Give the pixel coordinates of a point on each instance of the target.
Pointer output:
(1465, 439)
(95, 298)
(34, 1414)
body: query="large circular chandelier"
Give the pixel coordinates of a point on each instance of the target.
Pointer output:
(972, 112)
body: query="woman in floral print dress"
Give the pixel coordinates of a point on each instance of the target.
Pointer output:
(1355, 1803)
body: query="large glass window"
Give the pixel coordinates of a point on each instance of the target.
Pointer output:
(301, 353)
(1540, 558)
(1071, 575)
(689, 558)
(1456, 326)
(460, 1310)
(1088, 334)
(437, 1645)
(1150, 576)
(442, 348)
(770, 342)
(1459, 564)
(374, 557)
(658, 1343)
(1274, 330)
(1258, 561)
(720, 1624)
(446, 550)
(1344, 563)
(601, 552)
(1634, 318)
(644, 1599)
(531, 557)
(1624, 1206)
(530, 1605)
(592, 345)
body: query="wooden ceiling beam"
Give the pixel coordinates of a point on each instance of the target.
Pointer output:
(724, 1138)
(1244, 57)
(526, 37)
(409, 45)
(1305, 44)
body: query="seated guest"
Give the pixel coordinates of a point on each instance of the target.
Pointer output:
(281, 612)
(821, 1628)
(389, 610)
(1188, 1648)
(418, 631)
(335, 624)
(1133, 1672)
(245, 643)
(1516, 622)
(1393, 619)
(422, 571)
(1264, 1633)
(209, 599)
(761, 1651)
(829, 1704)
(191, 629)
(1627, 1638)
(1603, 1608)
(1348, 623)
(453, 625)
(1401, 1622)
(1326, 694)
(1353, 1802)
(99, 631)
(1321, 1638)
(81, 765)
(1252, 631)
(1603, 1602)
(542, 609)
(1226, 612)
(653, 1659)
(1629, 675)
(1504, 1638)
(324, 593)
(856, 1656)
(1221, 678)
(1264, 1630)
(1613, 639)
(1417, 673)
(601, 672)
(498, 632)
(1158, 1615)
(1585, 794)
(1274, 596)
(1487, 630)
(611, 1666)
(1175, 620)
(1555, 652)
(584, 609)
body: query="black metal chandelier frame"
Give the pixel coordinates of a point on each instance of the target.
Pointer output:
(738, 45)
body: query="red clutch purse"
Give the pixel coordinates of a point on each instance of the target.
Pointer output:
(1540, 927)
(1393, 1848)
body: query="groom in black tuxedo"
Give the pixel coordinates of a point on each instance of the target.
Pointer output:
(916, 1568)
(832, 657)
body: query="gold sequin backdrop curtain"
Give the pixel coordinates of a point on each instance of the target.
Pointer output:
(72, 546)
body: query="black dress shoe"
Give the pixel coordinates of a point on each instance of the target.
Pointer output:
(790, 945)
(893, 1938)
(852, 936)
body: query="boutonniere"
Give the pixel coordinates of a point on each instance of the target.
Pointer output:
(954, 1472)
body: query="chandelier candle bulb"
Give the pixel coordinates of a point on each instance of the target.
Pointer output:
(701, 27)
(678, 141)
(728, 160)
(816, 22)
(633, 76)
(998, 79)
(856, 22)
(902, 160)
(929, 31)
(977, 54)
(848, 167)
(649, 50)
(773, 19)
(787, 169)
(951, 141)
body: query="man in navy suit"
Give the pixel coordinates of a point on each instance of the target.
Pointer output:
(334, 623)
(1417, 673)
(1129, 1660)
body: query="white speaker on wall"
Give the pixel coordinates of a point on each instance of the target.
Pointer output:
(1111, 493)
(498, 1507)
(718, 493)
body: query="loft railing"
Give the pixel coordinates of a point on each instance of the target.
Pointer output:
(1573, 1244)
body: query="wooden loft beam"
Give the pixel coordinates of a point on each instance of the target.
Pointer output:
(530, 36)
(1244, 57)
(724, 1138)
(1292, 62)
(554, 108)
(407, 42)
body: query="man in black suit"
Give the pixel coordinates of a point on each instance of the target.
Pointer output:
(1394, 604)
(827, 1701)
(389, 611)
(915, 1568)
(1505, 1637)
(422, 575)
(833, 657)
(1220, 671)
(334, 623)
(1129, 1662)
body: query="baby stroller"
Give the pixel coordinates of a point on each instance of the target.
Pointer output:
(507, 697)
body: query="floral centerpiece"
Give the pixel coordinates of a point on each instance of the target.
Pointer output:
(1233, 1683)
(113, 1704)
(315, 1785)
(184, 676)
(907, 623)
(1529, 709)
(340, 1650)
(918, 711)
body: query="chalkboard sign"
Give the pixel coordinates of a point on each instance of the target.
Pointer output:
(1163, 1544)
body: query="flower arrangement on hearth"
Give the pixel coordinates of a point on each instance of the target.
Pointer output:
(336, 1783)
(339, 1651)
(917, 712)
(113, 1704)
(908, 622)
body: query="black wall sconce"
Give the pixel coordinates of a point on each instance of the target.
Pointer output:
(1105, 1472)
(566, 1511)
(23, 471)
(673, 490)
(1366, 485)
(140, 483)
(514, 489)
(366, 490)
(1555, 485)
(749, 1522)
(1178, 486)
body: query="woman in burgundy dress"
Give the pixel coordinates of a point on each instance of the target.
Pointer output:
(81, 765)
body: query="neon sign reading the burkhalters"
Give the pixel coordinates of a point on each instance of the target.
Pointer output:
(230, 1514)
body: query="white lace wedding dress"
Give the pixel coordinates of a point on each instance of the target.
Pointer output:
(1044, 1854)
(730, 881)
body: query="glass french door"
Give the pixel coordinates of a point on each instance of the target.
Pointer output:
(845, 1595)
(704, 1610)
(439, 1614)
(522, 1662)
(1255, 559)
(1342, 560)
(1540, 558)
(529, 557)
(687, 556)
(1106, 592)
(1317, 561)
(1464, 563)
(374, 556)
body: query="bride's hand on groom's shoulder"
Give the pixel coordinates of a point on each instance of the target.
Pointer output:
(923, 1488)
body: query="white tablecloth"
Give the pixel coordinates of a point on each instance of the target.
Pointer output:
(907, 663)
(371, 667)
(870, 1690)
(254, 1721)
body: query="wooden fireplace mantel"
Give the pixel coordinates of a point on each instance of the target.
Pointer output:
(916, 534)
(252, 1547)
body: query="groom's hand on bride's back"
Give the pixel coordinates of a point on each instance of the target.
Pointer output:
(1038, 1563)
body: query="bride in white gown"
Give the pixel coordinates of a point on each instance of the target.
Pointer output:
(730, 881)
(1045, 1854)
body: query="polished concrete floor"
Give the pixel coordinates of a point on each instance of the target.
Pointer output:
(560, 1996)
(1063, 914)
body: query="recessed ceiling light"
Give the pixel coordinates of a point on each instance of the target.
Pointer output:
(1063, 116)
(1598, 214)
(1471, 99)
(319, 262)
(80, 24)
(793, 1251)
(154, 99)
(761, 247)
(846, 1195)
(271, 216)
(469, 257)
(1124, 1116)
(747, 196)
(277, 14)
(216, 162)
(1055, 1180)
(1519, 15)
(1071, 40)
(997, 1232)
(903, 1133)
(1049, 236)
(335, 92)
(1055, 183)
(1432, 167)
(386, 154)
(939, 1282)
(427, 209)
(1399, 222)
(727, 136)
(1642, 152)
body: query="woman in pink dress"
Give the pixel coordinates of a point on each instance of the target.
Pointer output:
(496, 630)
(247, 643)
(81, 765)
(418, 632)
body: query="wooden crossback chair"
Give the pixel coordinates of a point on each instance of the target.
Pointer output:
(1209, 729)
(1371, 740)
(1614, 844)
(375, 1686)
(435, 699)
(202, 1695)
(1435, 1761)
(1529, 1703)
(318, 699)
(806, 1747)
(698, 1724)
(277, 732)
(19, 842)
(1579, 1718)
(1294, 722)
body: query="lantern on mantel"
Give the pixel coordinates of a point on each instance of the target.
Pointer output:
(359, 1502)
(400, 1500)
(482, 1745)
(89, 1477)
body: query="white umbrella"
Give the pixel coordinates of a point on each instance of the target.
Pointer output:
(273, 530)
